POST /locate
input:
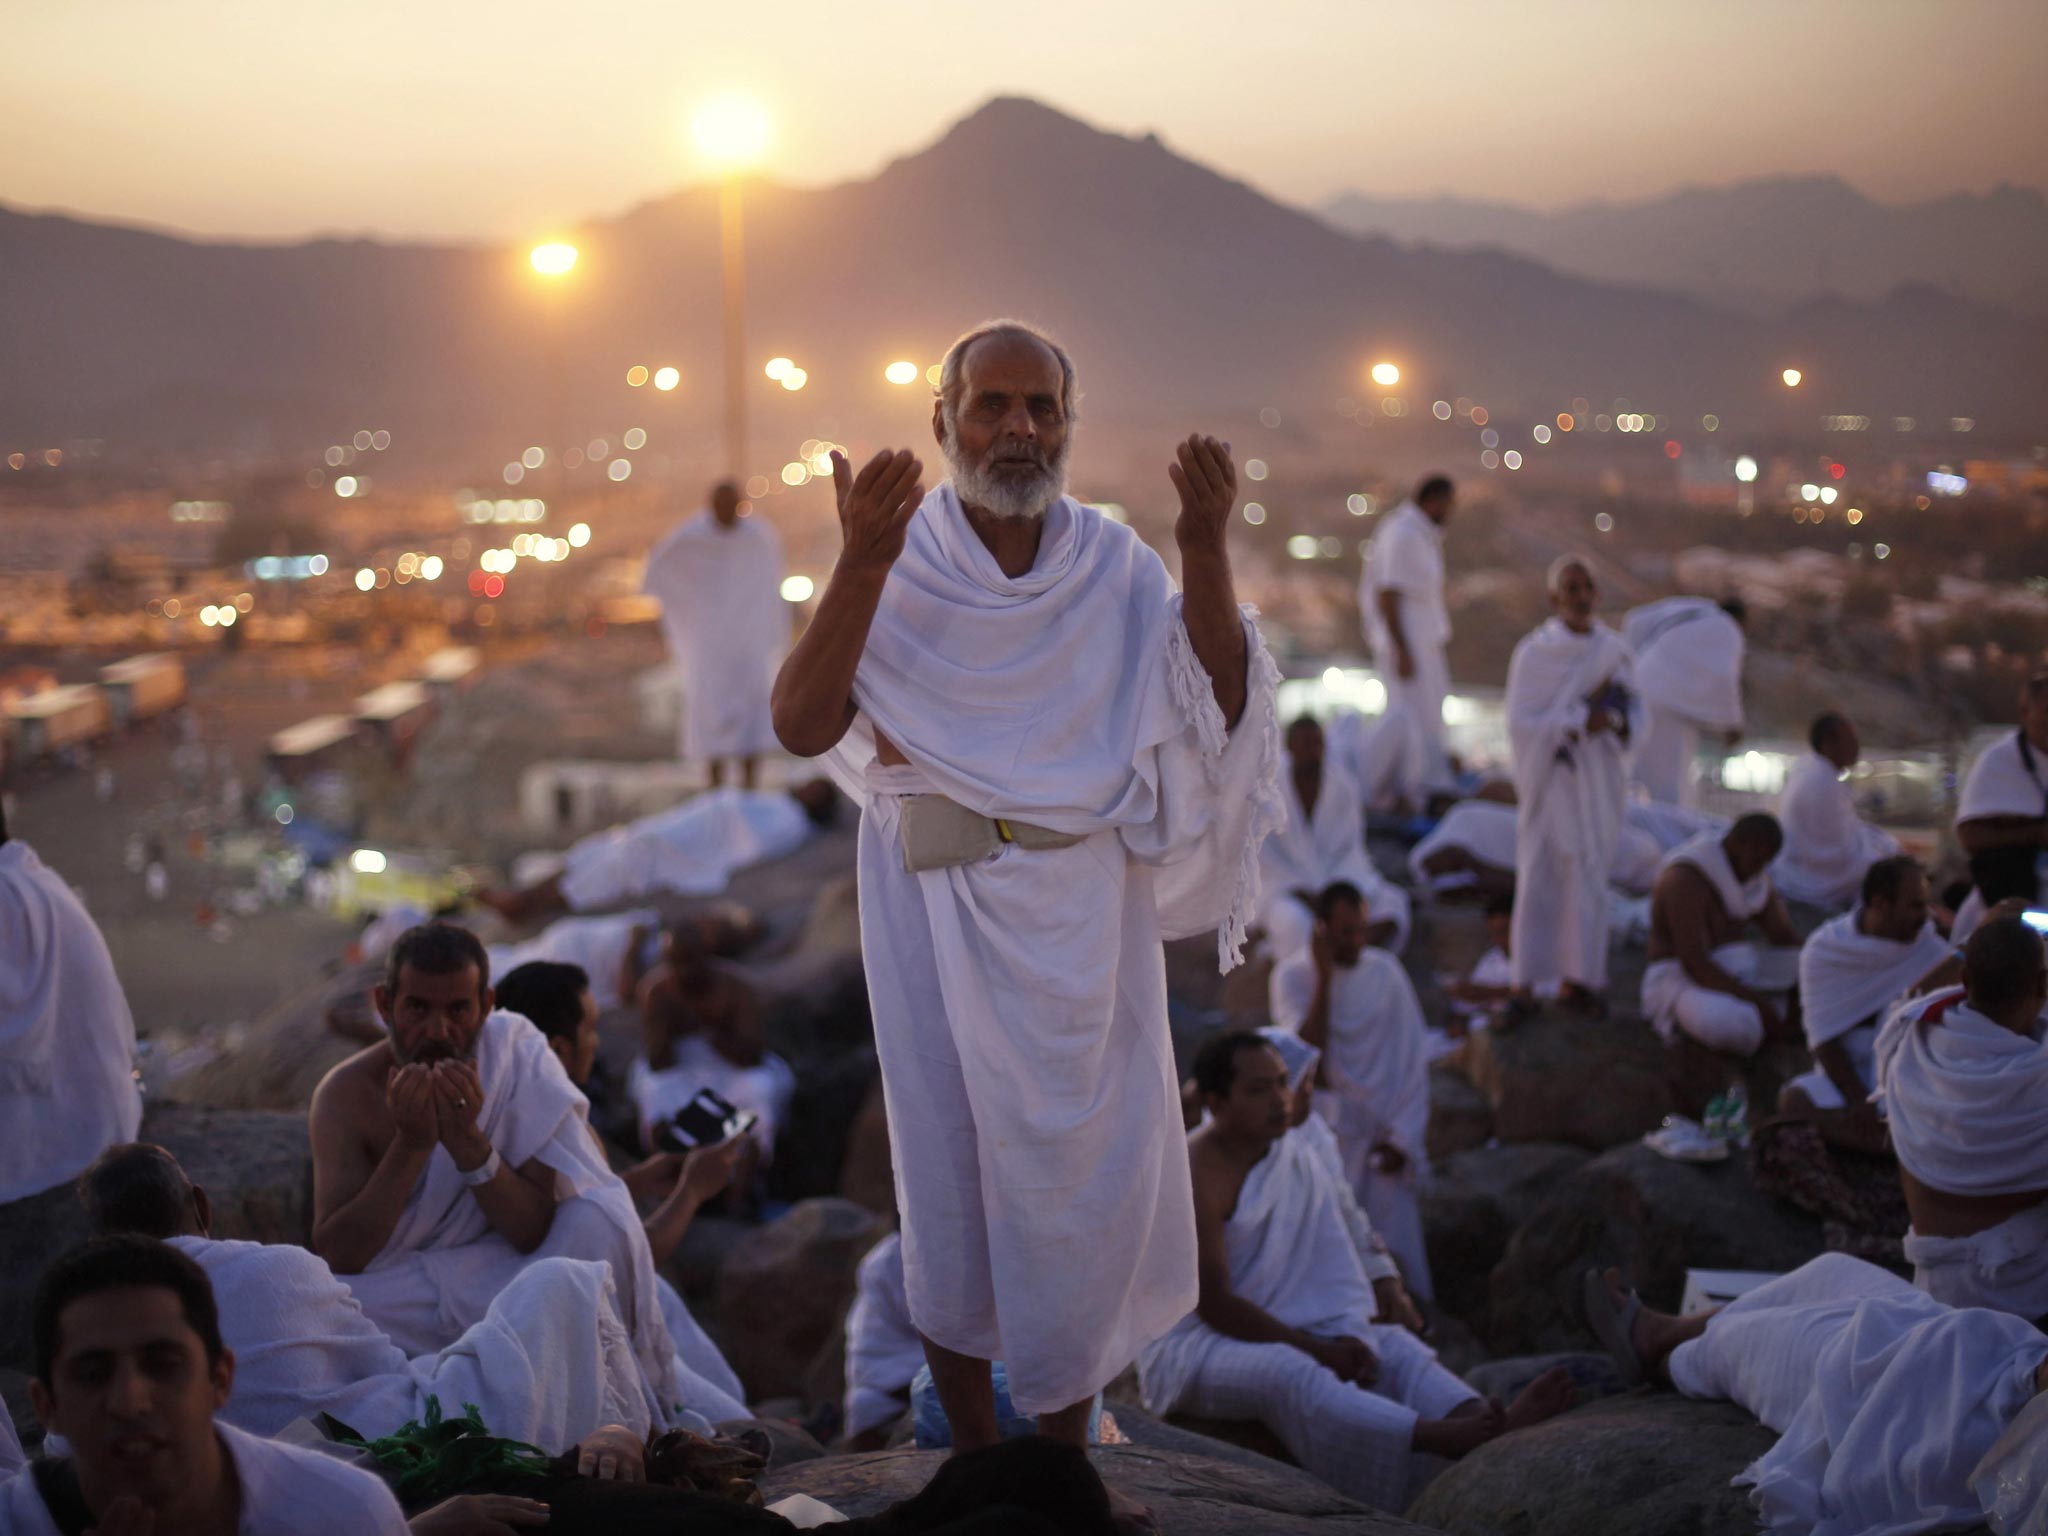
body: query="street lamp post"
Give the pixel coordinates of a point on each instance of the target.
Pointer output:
(554, 261)
(731, 134)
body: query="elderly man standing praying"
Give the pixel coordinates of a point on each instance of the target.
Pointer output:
(1062, 762)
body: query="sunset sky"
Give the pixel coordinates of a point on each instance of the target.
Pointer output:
(485, 119)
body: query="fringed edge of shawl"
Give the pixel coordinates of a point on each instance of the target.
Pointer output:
(1194, 694)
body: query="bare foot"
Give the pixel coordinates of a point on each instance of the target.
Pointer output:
(1466, 1430)
(1128, 1515)
(1544, 1398)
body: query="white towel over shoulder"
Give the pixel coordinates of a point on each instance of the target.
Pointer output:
(1968, 1100)
(1847, 977)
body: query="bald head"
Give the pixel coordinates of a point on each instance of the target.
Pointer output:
(139, 1188)
(2005, 971)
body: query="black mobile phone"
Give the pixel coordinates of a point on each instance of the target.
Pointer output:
(705, 1121)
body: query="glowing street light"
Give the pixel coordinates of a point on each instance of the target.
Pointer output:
(666, 379)
(1791, 376)
(901, 373)
(1745, 469)
(1745, 474)
(1386, 375)
(553, 259)
(731, 133)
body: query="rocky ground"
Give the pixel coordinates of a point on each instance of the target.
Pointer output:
(1538, 1173)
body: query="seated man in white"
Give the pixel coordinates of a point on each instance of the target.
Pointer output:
(1964, 1082)
(130, 1370)
(1688, 654)
(448, 1157)
(1886, 1402)
(548, 1364)
(1827, 845)
(1374, 750)
(883, 1351)
(1851, 971)
(701, 1027)
(1356, 1005)
(2002, 814)
(1323, 839)
(1284, 1331)
(692, 850)
(1706, 978)
(67, 1040)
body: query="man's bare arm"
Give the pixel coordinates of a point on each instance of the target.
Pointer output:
(1776, 923)
(1218, 1304)
(1207, 482)
(1985, 833)
(812, 704)
(357, 1200)
(1681, 898)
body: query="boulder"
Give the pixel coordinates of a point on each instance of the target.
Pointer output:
(277, 1062)
(783, 1291)
(1476, 1202)
(1459, 1116)
(1558, 1076)
(1647, 1464)
(1191, 1494)
(255, 1166)
(1653, 1217)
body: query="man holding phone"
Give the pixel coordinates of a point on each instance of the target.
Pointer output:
(1062, 761)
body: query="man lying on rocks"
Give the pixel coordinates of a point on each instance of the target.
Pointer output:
(1964, 1082)
(1285, 1331)
(1885, 1400)
(132, 1372)
(450, 1156)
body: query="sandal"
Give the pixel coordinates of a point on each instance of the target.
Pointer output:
(1613, 1324)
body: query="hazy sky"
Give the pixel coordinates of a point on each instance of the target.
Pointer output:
(489, 118)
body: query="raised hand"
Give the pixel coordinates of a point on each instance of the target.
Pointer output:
(459, 1100)
(1207, 482)
(409, 1096)
(875, 506)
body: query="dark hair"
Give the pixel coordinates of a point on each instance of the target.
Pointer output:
(820, 801)
(1955, 893)
(1432, 487)
(1887, 877)
(116, 1263)
(437, 949)
(2003, 958)
(1301, 720)
(136, 1187)
(1824, 725)
(1736, 609)
(1501, 906)
(1216, 1061)
(1760, 828)
(549, 993)
(1335, 894)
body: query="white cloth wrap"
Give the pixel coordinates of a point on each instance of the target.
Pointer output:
(1485, 830)
(1020, 1002)
(1742, 900)
(1847, 977)
(443, 1263)
(1999, 783)
(597, 944)
(1406, 555)
(1688, 655)
(720, 591)
(1828, 847)
(1307, 852)
(67, 1040)
(283, 1488)
(1570, 789)
(548, 1363)
(1885, 1401)
(11, 1458)
(693, 849)
(766, 1088)
(1377, 1068)
(883, 1351)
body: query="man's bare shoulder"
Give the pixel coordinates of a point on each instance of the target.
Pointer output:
(1217, 1178)
(1679, 883)
(356, 1081)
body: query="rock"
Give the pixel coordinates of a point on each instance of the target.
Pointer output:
(1459, 1116)
(784, 1289)
(256, 1168)
(277, 1062)
(1653, 1217)
(1647, 1464)
(1595, 1083)
(811, 1146)
(1593, 1374)
(1476, 1203)
(1192, 1495)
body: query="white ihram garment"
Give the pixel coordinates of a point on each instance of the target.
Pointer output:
(547, 1364)
(720, 591)
(694, 849)
(765, 1088)
(596, 944)
(2009, 778)
(67, 1040)
(284, 1489)
(443, 1263)
(1485, 830)
(1847, 979)
(1291, 1255)
(1884, 1400)
(883, 1351)
(1374, 750)
(1570, 789)
(1828, 847)
(1689, 665)
(1968, 1106)
(1020, 1002)
(1721, 1021)
(1308, 852)
(1377, 1068)
(1406, 555)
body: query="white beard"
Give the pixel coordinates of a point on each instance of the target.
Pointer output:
(1008, 495)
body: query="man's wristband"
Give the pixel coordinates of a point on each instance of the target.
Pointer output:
(484, 1172)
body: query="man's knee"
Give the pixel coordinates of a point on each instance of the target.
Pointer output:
(1722, 1023)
